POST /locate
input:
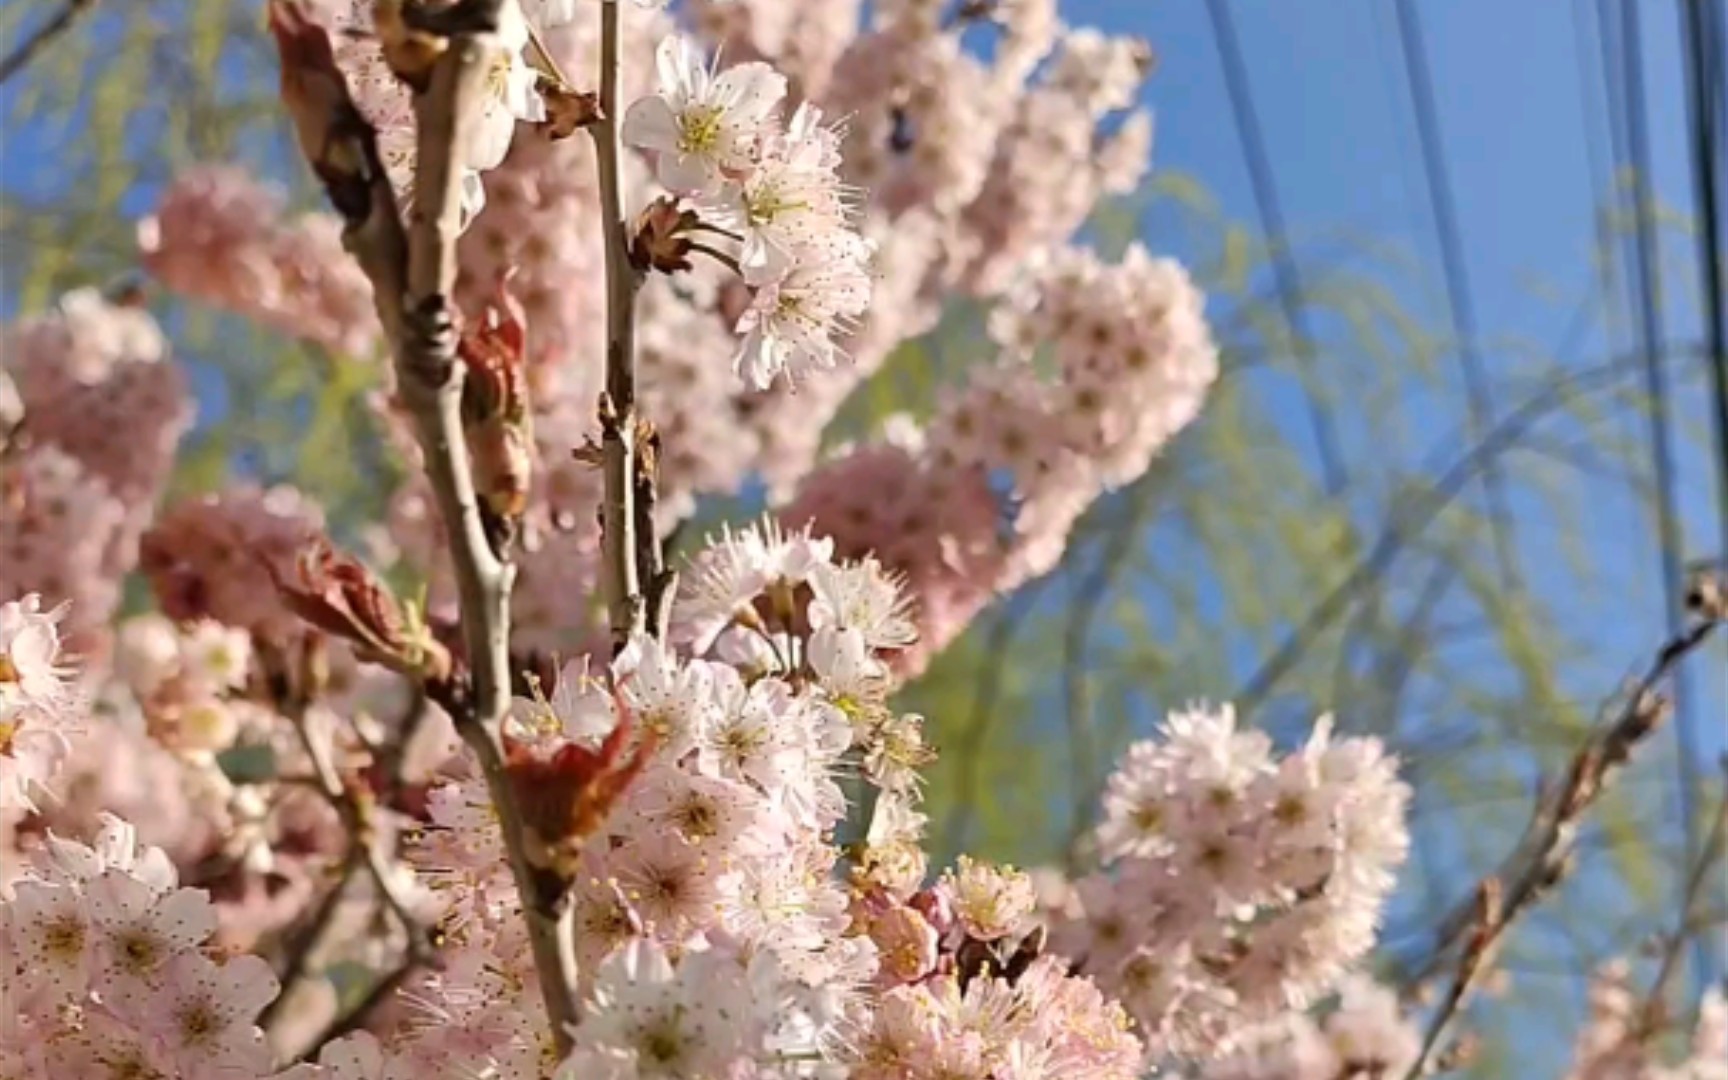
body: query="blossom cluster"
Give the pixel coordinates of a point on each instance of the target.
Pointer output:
(775, 190)
(719, 851)
(1236, 886)
(957, 170)
(74, 498)
(983, 499)
(109, 974)
(1367, 1033)
(1619, 1042)
(221, 237)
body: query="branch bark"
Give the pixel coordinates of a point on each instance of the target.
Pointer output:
(413, 272)
(627, 470)
(1544, 856)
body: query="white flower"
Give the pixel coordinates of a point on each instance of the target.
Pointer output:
(841, 660)
(49, 930)
(705, 811)
(205, 1014)
(649, 1020)
(736, 568)
(116, 847)
(140, 930)
(31, 675)
(510, 93)
(147, 653)
(217, 656)
(861, 596)
(702, 124)
(673, 701)
(791, 321)
(749, 738)
(672, 885)
(792, 200)
(580, 708)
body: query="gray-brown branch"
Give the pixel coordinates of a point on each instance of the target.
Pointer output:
(413, 273)
(1543, 857)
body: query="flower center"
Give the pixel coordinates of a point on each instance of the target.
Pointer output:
(664, 1043)
(698, 820)
(64, 938)
(8, 731)
(198, 1024)
(8, 669)
(699, 129)
(139, 952)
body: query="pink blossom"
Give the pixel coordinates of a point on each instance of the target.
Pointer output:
(202, 1015)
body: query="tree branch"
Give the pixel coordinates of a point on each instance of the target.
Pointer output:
(1544, 856)
(621, 458)
(43, 36)
(356, 811)
(413, 273)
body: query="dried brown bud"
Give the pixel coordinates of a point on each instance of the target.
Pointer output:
(658, 241)
(567, 110)
(337, 595)
(495, 414)
(1707, 593)
(335, 139)
(564, 796)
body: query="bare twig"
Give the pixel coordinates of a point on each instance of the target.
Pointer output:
(43, 36)
(310, 941)
(622, 572)
(1543, 857)
(356, 809)
(1691, 903)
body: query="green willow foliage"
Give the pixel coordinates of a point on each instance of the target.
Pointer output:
(1180, 586)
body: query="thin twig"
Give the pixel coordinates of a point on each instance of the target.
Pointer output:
(1543, 857)
(356, 1017)
(43, 36)
(1656, 1003)
(309, 941)
(356, 810)
(621, 572)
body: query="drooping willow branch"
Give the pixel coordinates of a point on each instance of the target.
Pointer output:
(43, 36)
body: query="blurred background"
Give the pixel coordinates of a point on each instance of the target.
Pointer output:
(1468, 440)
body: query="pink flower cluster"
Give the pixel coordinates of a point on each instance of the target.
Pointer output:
(217, 557)
(982, 165)
(1366, 1034)
(74, 493)
(966, 992)
(984, 500)
(722, 844)
(108, 974)
(37, 704)
(1236, 886)
(1617, 1041)
(221, 237)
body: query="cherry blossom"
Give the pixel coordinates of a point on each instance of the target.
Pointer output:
(702, 122)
